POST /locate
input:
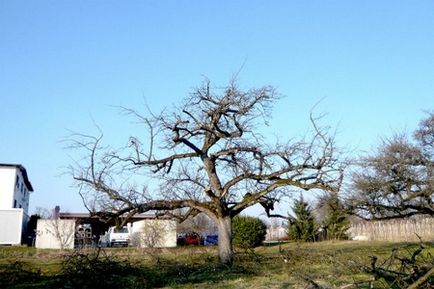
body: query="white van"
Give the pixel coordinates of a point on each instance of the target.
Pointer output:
(117, 237)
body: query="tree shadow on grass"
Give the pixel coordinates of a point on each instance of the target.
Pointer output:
(18, 272)
(94, 270)
(111, 273)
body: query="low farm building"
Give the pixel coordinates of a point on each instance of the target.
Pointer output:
(72, 230)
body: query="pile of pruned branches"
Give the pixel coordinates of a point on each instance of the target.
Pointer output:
(94, 269)
(413, 268)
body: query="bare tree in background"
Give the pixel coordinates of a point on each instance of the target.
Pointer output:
(63, 231)
(206, 157)
(398, 179)
(151, 234)
(201, 224)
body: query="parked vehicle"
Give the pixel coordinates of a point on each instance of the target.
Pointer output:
(211, 240)
(117, 237)
(192, 239)
(180, 240)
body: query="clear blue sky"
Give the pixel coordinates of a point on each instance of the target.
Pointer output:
(64, 64)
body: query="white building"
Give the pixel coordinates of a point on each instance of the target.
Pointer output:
(154, 233)
(55, 234)
(63, 231)
(15, 189)
(276, 233)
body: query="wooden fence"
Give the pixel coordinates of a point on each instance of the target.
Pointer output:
(406, 230)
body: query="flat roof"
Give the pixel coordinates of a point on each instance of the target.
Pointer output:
(23, 172)
(87, 217)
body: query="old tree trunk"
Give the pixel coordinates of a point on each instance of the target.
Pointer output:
(204, 157)
(224, 226)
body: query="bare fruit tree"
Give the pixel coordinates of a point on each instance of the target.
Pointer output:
(398, 179)
(206, 156)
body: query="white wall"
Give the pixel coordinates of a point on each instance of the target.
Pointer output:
(275, 233)
(11, 191)
(21, 193)
(55, 234)
(11, 222)
(402, 230)
(154, 233)
(7, 187)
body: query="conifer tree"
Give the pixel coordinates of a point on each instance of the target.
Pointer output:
(302, 226)
(335, 222)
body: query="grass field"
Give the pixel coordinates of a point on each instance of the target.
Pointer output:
(292, 265)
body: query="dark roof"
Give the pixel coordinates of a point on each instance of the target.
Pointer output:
(136, 217)
(88, 218)
(23, 172)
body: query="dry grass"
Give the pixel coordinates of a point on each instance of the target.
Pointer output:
(327, 264)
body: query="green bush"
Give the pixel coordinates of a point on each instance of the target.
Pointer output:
(248, 232)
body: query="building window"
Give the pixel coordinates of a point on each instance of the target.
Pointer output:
(15, 203)
(17, 182)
